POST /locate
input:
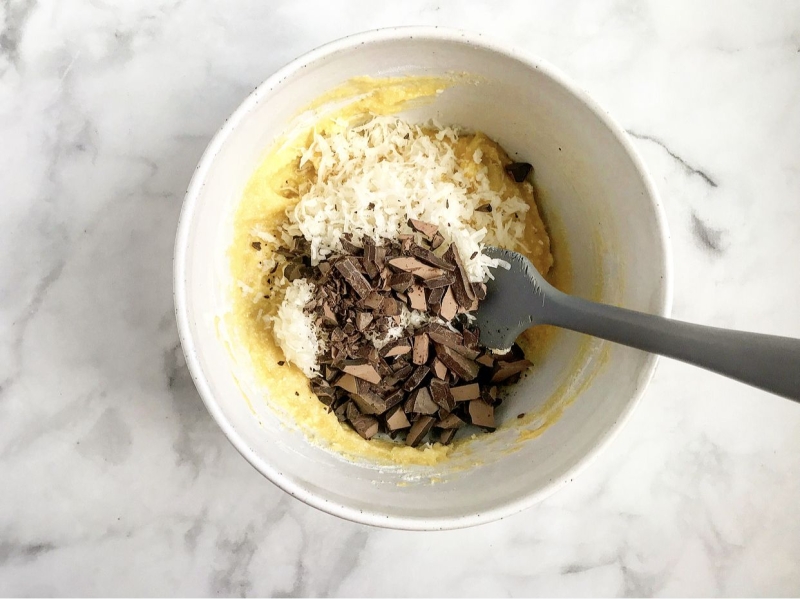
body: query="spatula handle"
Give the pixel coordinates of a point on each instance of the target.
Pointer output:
(768, 362)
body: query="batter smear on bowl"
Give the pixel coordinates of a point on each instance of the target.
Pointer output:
(368, 281)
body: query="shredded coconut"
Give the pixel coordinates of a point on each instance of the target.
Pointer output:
(372, 178)
(295, 331)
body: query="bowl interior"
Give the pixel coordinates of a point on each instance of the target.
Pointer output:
(589, 182)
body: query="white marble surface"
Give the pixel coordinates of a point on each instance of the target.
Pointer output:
(114, 479)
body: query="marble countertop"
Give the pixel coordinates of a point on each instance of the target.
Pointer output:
(115, 480)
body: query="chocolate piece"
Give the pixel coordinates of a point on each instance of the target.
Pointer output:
(450, 421)
(407, 264)
(324, 392)
(380, 257)
(419, 429)
(373, 301)
(368, 401)
(366, 426)
(443, 335)
(348, 266)
(421, 349)
(449, 307)
(485, 360)
(462, 288)
(427, 229)
(519, 171)
(256, 245)
(481, 414)
(471, 337)
(441, 395)
(479, 290)
(390, 307)
(396, 348)
(362, 320)
(467, 352)
(428, 257)
(440, 281)
(434, 299)
(484, 208)
(412, 382)
(328, 317)
(416, 298)
(396, 419)
(505, 370)
(324, 267)
(341, 411)
(406, 240)
(446, 436)
(437, 241)
(363, 370)
(439, 369)
(460, 365)
(401, 281)
(423, 402)
(395, 398)
(348, 383)
(466, 392)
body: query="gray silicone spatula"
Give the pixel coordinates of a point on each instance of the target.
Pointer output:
(520, 297)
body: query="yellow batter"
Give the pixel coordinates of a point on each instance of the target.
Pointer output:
(269, 194)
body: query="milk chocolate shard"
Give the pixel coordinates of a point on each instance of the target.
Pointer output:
(363, 370)
(348, 267)
(466, 392)
(427, 229)
(450, 421)
(519, 171)
(505, 370)
(446, 436)
(481, 414)
(462, 366)
(396, 419)
(442, 395)
(419, 429)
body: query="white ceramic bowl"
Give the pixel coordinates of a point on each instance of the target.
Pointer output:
(593, 182)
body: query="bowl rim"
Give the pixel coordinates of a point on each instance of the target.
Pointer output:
(376, 517)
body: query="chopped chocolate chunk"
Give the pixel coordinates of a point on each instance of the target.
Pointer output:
(462, 288)
(421, 349)
(519, 171)
(323, 391)
(437, 241)
(441, 334)
(479, 290)
(347, 382)
(416, 298)
(485, 360)
(505, 370)
(413, 381)
(428, 257)
(446, 436)
(449, 307)
(427, 229)
(434, 299)
(256, 245)
(401, 281)
(373, 301)
(365, 425)
(324, 268)
(466, 392)
(460, 365)
(484, 208)
(348, 266)
(467, 352)
(390, 306)
(328, 317)
(442, 395)
(481, 414)
(396, 419)
(396, 348)
(362, 320)
(419, 429)
(440, 281)
(368, 401)
(394, 398)
(341, 411)
(349, 247)
(521, 415)
(450, 421)
(363, 370)
(406, 264)
(439, 369)
(423, 402)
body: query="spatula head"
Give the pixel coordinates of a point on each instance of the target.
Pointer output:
(511, 300)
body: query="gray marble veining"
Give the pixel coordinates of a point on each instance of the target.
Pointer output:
(115, 480)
